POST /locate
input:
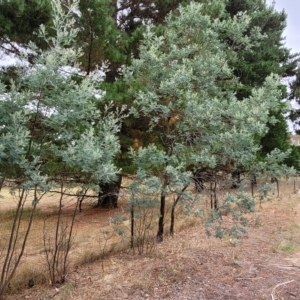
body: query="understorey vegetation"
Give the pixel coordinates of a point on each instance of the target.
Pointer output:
(156, 110)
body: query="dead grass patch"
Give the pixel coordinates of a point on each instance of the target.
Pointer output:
(27, 276)
(186, 266)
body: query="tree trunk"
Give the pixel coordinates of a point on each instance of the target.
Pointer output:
(198, 181)
(109, 194)
(236, 179)
(132, 226)
(216, 204)
(172, 219)
(213, 195)
(275, 180)
(173, 210)
(160, 232)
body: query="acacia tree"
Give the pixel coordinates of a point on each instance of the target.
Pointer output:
(186, 89)
(51, 130)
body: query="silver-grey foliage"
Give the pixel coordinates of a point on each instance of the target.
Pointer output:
(187, 92)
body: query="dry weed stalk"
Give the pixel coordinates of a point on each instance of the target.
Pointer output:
(57, 246)
(17, 238)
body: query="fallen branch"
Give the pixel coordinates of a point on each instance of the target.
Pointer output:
(249, 278)
(287, 266)
(278, 286)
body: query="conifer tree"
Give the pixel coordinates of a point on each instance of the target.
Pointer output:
(267, 57)
(19, 20)
(187, 91)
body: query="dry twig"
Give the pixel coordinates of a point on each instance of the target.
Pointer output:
(273, 291)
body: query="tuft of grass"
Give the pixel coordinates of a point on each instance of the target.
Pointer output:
(89, 257)
(27, 277)
(258, 222)
(9, 214)
(288, 248)
(186, 222)
(66, 290)
(284, 248)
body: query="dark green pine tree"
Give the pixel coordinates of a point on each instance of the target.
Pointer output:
(99, 36)
(295, 95)
(129, 18)
(250, 66)
(269, 56)
(19, 20)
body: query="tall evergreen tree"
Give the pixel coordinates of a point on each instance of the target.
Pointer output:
(19, 20)
(269, 56)
(187, 91)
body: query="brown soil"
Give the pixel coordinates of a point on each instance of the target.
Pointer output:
(264, 265)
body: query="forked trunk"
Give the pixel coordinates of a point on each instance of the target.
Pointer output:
(173, 210)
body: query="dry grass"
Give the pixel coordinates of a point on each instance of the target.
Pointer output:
(27, 277)
(186, 266)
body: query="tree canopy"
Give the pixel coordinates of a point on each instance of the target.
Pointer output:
(187, 92)
(203, 76)
(51, 127)
(159, 90)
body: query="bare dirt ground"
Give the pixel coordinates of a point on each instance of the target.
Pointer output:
(264, 265)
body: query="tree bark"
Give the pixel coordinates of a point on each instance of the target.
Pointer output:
(160, 232)
(236, 179)
(109, 194)
(132, 226)
(213, 195)
(173, 211)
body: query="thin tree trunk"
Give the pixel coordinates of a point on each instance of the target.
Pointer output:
(173, 211)
(9, 266)
(172, 219)
(216, 205)
(1, 183)
(160, 232)
(211, 196)
(132, 226)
